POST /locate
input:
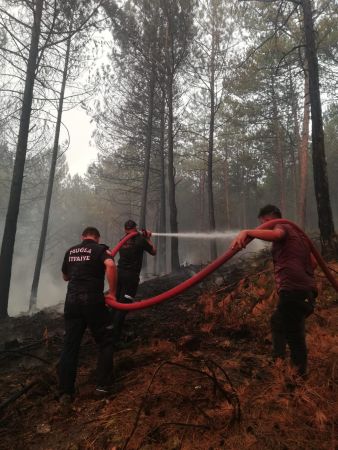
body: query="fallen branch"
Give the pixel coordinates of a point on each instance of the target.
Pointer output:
(18, 352)
(212, 378)
(17, 395)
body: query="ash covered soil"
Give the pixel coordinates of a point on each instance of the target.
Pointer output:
(194, 373)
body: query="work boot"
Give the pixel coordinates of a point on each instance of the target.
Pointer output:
(108, 390)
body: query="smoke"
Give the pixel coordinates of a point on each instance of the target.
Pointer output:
(51, 291)
(52, 288)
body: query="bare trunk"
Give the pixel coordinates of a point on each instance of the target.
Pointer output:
(304, 154)
(147, 154)
(42, 242)
(211, 208)
(321, 184)
(294, 148)
(175, 263)
(279, 153)
(7, 248)
(226, 193)
(201, 199)
(162, 219)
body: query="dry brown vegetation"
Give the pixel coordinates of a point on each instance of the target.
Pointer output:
(196, 375)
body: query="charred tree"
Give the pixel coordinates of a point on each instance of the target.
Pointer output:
(175, 262)
(151, 90)
(303, 153)
(44, 229)
(7, 248)
(321, 184)
(279, 150)
(211, 207)
(162, 214)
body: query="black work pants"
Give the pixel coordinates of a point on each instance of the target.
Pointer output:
(127, 284)
(82, 311)
(288, 326)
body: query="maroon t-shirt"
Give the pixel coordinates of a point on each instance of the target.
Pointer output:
(292, 262)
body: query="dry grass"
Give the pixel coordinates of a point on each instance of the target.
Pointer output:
(209, 385)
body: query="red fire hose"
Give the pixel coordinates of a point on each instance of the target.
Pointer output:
(198, 277)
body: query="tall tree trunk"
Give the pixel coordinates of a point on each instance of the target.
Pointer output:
(7, 248)
(226, 196)
(44, 229)
(321, 184)
(295, 147)
(201, 199)
(175, 263)
(151, 89)
(162, 247)
(279, 151)
(211, 208)
(226, 189)
(244, 204)
(303, 153)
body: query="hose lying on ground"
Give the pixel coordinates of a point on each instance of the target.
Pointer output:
(198, 277)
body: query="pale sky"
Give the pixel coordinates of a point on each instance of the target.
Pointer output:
(82, 150)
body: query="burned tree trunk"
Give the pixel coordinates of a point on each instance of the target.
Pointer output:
(7, 248)
(175, 263)
(43, 236)
(211, 207)
(147, 154)
(279, 151)
(321, 184)
(303, 154)
(202, 199)
(162, 242)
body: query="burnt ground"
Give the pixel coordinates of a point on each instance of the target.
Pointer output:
(195, 373)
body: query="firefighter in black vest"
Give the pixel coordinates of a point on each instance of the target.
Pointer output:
(128, 270)
(84, 267)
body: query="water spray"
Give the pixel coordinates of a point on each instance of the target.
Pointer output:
(198, 277)
(193, 235)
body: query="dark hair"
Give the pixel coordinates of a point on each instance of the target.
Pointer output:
(130, 224)
(270, 210)
(91, 231)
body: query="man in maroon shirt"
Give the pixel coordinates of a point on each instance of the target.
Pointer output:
(293, 266)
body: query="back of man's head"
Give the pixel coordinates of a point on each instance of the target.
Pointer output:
(270, 210)
(130, 225)
(91, 231)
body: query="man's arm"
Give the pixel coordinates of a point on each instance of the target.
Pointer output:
(314, 263)
(65, 276)
(265, 235)
(111, 275)
(152, 250)
(149, 246)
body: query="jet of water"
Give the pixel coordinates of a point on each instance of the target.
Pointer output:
(192, 235)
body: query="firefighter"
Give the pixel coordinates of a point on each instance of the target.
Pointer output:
(294, 276)
(128, 270)
(84, 268)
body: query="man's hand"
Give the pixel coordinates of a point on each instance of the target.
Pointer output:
(111, 274)
(146, 233)
(111, 296)
(65, 276)
(240, 240)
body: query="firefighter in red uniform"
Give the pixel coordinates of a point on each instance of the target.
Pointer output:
(294, 275)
